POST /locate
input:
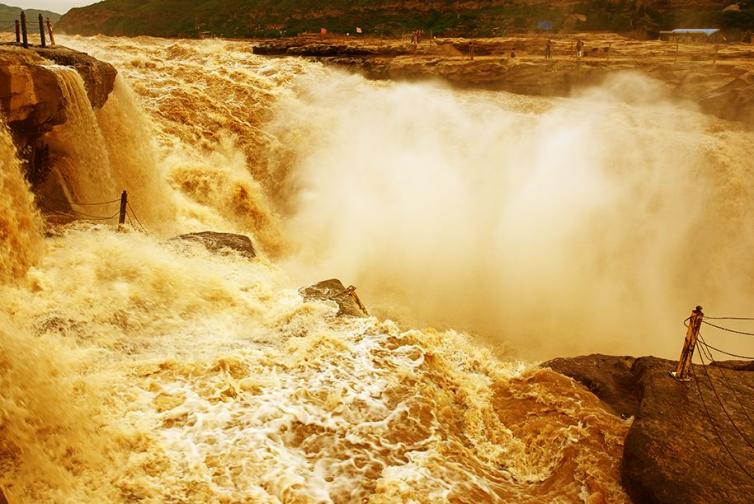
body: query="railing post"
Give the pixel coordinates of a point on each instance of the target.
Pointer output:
(18, 32)
(123, 206)
(687, 354)
(24, 34)
(49, 30)
(42, 31)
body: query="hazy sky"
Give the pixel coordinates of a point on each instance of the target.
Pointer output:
(60, 6)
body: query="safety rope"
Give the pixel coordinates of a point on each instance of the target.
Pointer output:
(129, 207)
(727, 353)
(715, 428)
(728, 318)
(727, 329)
(97, 204)
(76, 214)
(722, 373)
(720, 402)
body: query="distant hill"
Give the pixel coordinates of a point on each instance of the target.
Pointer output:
(9, 14)
(266, 18)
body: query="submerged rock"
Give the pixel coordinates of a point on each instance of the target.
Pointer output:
(334, 290)
(216, 242)
(689, 442)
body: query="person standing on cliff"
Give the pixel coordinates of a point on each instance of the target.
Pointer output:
(548, 49)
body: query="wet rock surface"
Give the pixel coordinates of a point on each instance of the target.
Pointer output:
(32, 100)
(677, 448)
(99, 77)
(334, 290)
(219, 242)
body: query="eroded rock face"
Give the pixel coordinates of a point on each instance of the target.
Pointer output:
(218, 242)
(99, 77)
(676, 449)
(32, 100)
(30, 96)
(334, 290)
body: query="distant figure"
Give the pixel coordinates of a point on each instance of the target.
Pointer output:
(416, 37)
(471, 51)
(513, 54)
(579, 48)
(548, 49)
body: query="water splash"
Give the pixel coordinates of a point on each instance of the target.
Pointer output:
(20, 224)
(163, 372)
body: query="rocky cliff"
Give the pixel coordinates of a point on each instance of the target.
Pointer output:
(265, 18)
(690, 443)
(32, 100)
(718, 80)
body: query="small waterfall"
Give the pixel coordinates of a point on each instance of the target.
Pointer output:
(20, 225)
(78, 148)
(134, 159)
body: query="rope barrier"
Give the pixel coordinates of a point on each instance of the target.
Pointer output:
(76, 214)
(129, 207)
(722, 406)
(717, 432)
(727, 329)
(727, 353)
(95, 217)
(97, 204)
(721, 372)
(728, 318)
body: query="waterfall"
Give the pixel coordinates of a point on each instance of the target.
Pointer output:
(78, 149)
(20, 226)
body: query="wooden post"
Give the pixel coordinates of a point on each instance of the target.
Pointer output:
(123, 206)
(49, 30)
(24, 34)
(687, 354)
(42, 31)
(18, 32)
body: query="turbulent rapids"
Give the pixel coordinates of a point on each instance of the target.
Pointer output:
(135, 368)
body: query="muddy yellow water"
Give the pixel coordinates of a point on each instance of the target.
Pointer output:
(135, 368)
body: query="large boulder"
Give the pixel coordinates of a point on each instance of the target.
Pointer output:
(690, 442)
(334, 290)
(218, 242)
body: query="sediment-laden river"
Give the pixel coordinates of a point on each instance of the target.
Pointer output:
(139, 369)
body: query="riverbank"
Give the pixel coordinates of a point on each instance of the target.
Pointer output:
(717, 79)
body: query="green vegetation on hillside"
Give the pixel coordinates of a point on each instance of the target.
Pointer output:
(269, 18)
(9, 14)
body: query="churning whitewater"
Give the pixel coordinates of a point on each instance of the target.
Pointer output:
(136, 368)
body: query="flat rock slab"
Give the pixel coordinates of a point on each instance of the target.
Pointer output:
(334, 290)
(218, 242)
(690, 442)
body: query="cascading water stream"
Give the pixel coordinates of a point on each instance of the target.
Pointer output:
(20, 224)
(141, 369)
(78, 147)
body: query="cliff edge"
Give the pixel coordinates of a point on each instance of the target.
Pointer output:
(32, 100)
(690, 442)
